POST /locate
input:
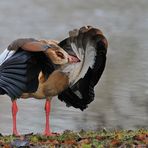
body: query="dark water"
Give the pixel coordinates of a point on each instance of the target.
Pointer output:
(122, 94)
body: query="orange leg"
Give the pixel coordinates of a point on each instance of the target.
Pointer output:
(14, 113)
(47, 131)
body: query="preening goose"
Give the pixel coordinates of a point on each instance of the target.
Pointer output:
(89, 45)
(86, 50)
(20, 67)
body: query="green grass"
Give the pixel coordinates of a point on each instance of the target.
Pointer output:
(82, 139)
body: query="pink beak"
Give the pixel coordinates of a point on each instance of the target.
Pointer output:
(73, 59)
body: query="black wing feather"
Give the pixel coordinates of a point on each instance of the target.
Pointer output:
(19, 73)
(10, 78)
(82, 93)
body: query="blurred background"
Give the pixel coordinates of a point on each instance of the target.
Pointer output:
(121, 95)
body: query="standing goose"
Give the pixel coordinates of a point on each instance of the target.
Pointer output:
(87, 47)
(19, 69)
(74, 83)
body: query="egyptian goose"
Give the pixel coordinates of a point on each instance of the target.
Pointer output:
(20, 67)
(89, 45)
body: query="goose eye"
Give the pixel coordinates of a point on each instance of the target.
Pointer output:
(59, 54)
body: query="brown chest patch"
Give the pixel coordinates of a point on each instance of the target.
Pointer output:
(56, 83)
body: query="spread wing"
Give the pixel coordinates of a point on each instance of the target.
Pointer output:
(82, 92)
(13, 74)
(19, 73)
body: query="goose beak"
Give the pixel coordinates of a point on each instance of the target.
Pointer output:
(73, 59)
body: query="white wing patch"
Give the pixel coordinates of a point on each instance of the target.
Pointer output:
(78, 70)
(5, 55)
(88, 60)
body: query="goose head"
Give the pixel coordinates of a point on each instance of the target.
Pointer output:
(58, 55)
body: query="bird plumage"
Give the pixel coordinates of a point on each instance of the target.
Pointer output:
(81, 58)
(94, 48)
(90, 45)
(21, 65)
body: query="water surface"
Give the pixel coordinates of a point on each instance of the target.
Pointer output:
(122, 93)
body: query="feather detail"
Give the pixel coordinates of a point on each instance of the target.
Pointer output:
(91, 47)
(19, 73)
(12, 79)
